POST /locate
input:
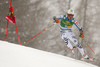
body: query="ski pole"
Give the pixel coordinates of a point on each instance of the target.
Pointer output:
(39, 33)
(89, 46)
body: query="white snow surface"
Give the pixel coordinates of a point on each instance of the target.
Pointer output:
(13, 55)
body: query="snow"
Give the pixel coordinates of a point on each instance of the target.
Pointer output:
(13, 55)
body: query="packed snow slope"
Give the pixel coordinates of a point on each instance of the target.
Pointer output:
(12, 55)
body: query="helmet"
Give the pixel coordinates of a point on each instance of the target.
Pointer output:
(70, 12)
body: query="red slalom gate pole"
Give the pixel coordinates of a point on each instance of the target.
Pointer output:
(38, 33)
(7, 23)
(10, 2)
(11, 18)
(6, 30)
(89, 47)
(17, 34)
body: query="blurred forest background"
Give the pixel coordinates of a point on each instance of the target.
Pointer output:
(32, 16)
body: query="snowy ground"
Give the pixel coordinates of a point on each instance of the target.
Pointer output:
(12, 55)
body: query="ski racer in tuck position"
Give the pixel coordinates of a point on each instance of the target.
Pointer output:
(66, 23)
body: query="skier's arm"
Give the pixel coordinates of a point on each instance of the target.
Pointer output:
(57, 18)
(60, 17)
(79, 28)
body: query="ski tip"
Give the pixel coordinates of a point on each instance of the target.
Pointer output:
(94, 54)
(24, 42)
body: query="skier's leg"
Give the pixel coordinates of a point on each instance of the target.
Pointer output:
(68, 43)
(64, 37)
(72, 37)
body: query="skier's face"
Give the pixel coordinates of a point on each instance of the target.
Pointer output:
(70, 16)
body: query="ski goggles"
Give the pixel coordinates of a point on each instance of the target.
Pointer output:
(70, 15)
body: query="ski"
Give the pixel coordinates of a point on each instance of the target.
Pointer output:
(90, 59)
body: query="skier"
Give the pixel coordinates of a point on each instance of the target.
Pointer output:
(66, 23)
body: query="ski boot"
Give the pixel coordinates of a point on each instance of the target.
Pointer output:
(85, 56)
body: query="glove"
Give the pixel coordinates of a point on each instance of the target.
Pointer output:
(55, 19)
(81, 35)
